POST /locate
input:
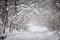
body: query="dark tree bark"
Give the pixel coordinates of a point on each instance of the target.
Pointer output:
(15, 6)
(5, 15)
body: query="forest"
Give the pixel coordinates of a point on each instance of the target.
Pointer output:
(30, 19)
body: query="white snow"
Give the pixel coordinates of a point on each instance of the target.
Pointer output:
(33, 32)
(32, 36)
(35, 28)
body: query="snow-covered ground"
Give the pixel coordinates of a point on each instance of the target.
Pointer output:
(33, 32)
(32, 36)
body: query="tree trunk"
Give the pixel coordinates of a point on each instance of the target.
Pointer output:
(5, 15)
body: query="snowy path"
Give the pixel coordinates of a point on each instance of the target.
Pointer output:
(33, 32)
(32, 36)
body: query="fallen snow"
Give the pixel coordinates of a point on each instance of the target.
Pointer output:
(35, 28)
(33, 32)
(32, 36)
